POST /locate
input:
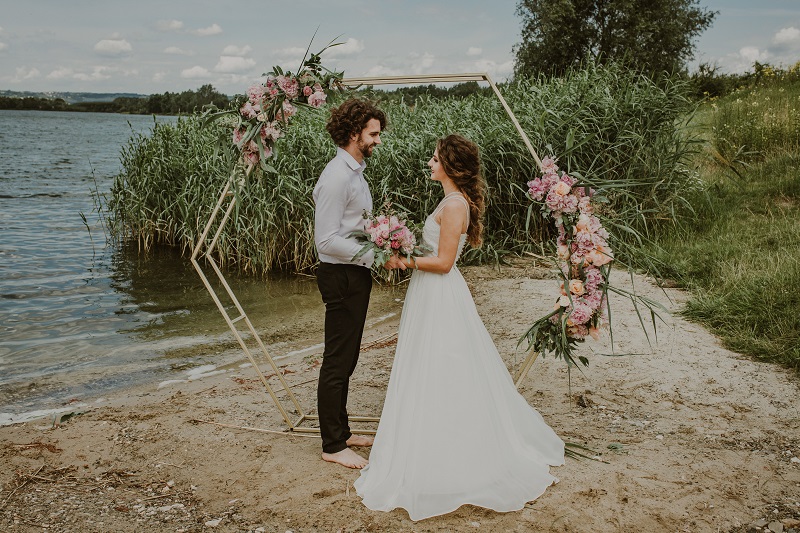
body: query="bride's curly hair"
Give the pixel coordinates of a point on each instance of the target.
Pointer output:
(461, 162)
(351, 118)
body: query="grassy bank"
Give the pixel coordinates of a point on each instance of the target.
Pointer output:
(740, 254)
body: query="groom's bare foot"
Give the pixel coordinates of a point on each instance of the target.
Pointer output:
(360, 440)
(346, 457)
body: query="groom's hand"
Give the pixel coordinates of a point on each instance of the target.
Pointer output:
(395, 262)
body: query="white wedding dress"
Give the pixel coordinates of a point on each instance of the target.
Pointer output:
(454, 430)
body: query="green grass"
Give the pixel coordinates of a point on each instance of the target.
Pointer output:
(740, 255)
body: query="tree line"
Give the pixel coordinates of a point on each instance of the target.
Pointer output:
(156, 104)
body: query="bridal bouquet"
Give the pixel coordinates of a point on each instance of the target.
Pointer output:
(387, 234)
(260, 117)
(584, 260)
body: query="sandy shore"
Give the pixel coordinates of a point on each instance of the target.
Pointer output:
(690, 437)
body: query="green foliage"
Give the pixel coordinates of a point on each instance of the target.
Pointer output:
(709, 82)
(617, 129)
(740, 254)
(653, 37)
(756, 121)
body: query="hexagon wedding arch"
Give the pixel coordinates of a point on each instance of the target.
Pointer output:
(240, 325)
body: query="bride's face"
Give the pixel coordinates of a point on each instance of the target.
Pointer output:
(437, 172)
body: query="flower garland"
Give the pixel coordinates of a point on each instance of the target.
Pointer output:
(584, 260)
(263, 114)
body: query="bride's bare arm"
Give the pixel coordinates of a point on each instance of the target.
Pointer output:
(452, 225)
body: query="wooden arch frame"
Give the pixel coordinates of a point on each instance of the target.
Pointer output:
(227, 195)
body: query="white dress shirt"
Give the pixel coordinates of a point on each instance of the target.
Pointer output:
(341, 196)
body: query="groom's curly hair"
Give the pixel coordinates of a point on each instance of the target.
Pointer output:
(351, 118)
(460, 159)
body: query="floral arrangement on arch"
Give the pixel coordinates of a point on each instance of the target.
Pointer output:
(584, 260)
(263, 114)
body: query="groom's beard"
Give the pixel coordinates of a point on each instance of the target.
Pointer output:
(366, 150)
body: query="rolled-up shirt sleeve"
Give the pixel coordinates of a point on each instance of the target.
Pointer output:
(333, 196)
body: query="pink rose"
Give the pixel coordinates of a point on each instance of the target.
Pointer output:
(562, 188)
(576, 287)
(307, 90)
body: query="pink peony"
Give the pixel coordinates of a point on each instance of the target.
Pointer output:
(288, 85)
(271, 131)
(307, 90)
(255, 93)
(238, 135)
(581, 313)
(536, 189)
(549, 166)
(248, 110)
(317, 99)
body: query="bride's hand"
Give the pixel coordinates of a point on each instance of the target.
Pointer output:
(395, 262)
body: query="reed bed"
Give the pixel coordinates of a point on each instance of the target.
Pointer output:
(619, 131)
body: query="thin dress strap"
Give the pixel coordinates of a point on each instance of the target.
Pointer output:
(446, 198)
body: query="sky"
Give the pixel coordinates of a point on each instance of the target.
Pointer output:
(149, 46)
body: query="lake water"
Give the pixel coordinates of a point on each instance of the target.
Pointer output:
(79, 318)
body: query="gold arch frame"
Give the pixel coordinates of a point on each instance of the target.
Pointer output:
(294, 424)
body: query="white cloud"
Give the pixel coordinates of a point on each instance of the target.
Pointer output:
(348, 48)
(169, 25)
(174, 50)
(3, 46)
(158, 76)
(23, 74)
(214, 29)
(1, 30)
(787, 37)
(195, 72)
(421, 62)
(291, 51)
(60, 74)
(234, 64)
(233, 50)
(383, 71)
(498, 71)
(113, 47)
(742, 61)
(97, 74)
(474, 51)
(752, 54)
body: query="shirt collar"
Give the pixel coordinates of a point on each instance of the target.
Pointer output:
(350, 160)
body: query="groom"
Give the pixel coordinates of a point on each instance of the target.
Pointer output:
(341, 196)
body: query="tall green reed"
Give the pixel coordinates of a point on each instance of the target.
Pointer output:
(617, 130)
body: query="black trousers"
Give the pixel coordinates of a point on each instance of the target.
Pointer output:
(345, 291)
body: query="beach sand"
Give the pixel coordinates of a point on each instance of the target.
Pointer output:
(690, 437)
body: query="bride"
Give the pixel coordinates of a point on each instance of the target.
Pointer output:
(454, 430)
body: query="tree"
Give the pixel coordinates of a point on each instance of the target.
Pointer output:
(654, 36)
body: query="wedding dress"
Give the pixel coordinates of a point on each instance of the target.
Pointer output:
(454, 430)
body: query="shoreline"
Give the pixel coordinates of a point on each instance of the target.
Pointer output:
(693, 437)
